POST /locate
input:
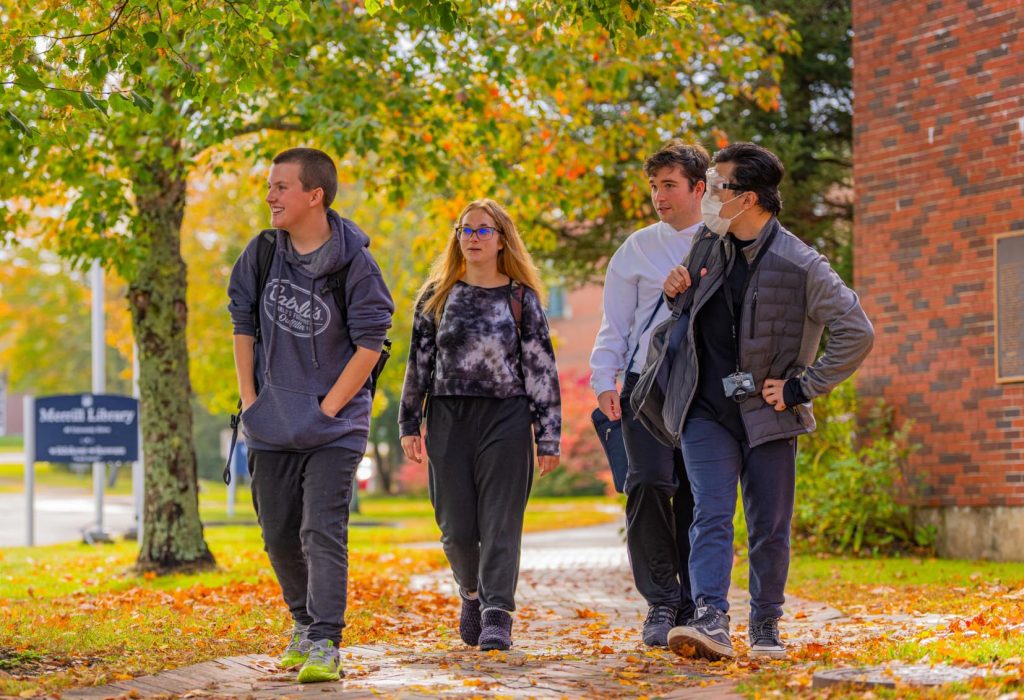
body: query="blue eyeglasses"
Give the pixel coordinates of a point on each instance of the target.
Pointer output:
(483, 233)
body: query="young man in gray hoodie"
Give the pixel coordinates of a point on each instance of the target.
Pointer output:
(303, 365)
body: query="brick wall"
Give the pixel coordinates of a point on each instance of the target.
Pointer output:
(574, 335)
(939, 172)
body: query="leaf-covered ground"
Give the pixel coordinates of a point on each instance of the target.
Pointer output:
(72, 616)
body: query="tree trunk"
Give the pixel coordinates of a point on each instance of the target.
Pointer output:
(384, 469)
(173, 534)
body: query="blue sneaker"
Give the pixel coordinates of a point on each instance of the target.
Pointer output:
(660, 619)
(705, 637)
(765, 639)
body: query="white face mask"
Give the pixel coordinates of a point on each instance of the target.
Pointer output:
(710, 206)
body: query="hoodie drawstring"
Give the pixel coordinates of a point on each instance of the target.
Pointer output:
(312, 323)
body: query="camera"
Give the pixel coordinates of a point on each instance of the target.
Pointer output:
(738, 386)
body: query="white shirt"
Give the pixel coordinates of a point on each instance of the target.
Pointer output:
(632, 288)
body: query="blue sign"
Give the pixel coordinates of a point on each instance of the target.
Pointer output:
(87, 428)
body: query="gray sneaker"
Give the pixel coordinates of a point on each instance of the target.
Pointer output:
(323, 663)
(705, 637)
(298, 648)
(660, 619)
(765, 640)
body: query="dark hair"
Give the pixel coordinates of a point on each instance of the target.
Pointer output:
(316, 169)
(692, 159)
(757, 170)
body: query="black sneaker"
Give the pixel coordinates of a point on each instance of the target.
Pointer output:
(705, 637)
(684, 615)
(765, 640)
(469, 620)
(660, 619)
(497, 630)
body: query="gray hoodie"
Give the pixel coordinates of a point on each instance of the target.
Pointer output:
(304, 345)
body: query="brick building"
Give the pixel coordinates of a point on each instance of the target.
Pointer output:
(939, 178)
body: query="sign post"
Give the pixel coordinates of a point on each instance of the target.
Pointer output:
(99, 385)
(139, 465)
(29, 432)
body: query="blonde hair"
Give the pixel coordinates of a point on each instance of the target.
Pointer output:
(514, 261)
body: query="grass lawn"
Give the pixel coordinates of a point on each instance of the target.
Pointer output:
(981, 605)
(10, 442)
(74, 615)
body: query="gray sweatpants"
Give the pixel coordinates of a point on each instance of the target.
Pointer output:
(301, 501)
(481, 468)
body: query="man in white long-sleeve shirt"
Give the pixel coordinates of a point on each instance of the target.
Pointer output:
(659, 505)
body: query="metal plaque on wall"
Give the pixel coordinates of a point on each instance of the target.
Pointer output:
(1010, 307)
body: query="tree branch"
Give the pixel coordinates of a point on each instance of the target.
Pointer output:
(834, 161)
(117, 16)
(61, 89)
(278, 124)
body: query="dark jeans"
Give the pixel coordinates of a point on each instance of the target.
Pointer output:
(659, 510)
(715, 462)
(301, 501)
(481, 469)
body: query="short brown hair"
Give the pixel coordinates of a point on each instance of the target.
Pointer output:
(316, 169)
(692, 159)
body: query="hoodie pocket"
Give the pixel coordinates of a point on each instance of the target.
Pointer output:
(291, 420)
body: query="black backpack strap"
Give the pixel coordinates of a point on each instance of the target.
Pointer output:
(266, 245)
(335, 284)
(516, 295)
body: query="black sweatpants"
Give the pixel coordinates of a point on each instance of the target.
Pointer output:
(659, 511)
(301, 501)
(480, 453)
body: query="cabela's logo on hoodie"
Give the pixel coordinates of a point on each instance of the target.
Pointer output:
(295, 310)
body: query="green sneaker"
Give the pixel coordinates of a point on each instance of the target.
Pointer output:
(323, 664)
(298, 648)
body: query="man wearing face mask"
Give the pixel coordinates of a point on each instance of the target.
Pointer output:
(741, 386)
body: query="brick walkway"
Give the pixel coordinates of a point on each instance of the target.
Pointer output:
(576, 635)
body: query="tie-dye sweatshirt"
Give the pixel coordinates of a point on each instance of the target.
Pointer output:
(475, 351)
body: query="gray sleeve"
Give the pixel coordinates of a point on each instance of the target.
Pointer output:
(369, 304)
(830, 303)
(242, 292)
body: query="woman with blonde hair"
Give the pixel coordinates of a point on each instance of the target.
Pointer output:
(481, 361)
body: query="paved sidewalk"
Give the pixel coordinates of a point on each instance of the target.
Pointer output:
(61, 516)
(576, 635)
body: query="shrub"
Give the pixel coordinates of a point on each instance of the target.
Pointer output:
(853, 490)
(583, 467)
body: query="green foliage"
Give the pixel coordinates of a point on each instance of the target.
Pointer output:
(853, 489)
(812, 129)
(567, 482)
(114, 103)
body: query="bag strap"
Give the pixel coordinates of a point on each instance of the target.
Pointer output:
(657, 307)
(335, 284)
(236, 419)
(516, 295)
(695, 276)
(266, 246)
